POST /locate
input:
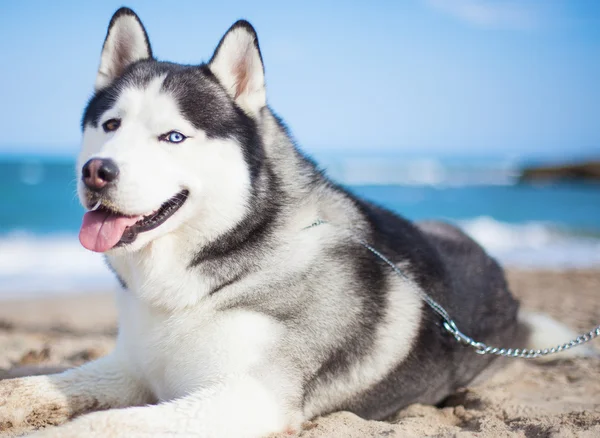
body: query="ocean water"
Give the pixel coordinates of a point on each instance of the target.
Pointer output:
(553, 226)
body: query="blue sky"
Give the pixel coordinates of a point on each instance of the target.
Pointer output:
(426, 76)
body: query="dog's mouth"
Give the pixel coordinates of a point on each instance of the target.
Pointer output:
(104, 228)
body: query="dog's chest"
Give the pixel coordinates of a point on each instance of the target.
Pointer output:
(178, 353)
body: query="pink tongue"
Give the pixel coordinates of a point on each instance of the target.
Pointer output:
(100, 230)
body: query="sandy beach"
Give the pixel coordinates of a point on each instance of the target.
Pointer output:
(525, 399)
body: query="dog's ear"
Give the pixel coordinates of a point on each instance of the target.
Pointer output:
(238, 65)
(126, 42)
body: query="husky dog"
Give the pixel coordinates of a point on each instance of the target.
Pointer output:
(237, 317)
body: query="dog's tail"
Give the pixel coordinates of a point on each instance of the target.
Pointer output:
(541, 332)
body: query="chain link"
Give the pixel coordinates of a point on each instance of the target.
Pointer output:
(451, 327)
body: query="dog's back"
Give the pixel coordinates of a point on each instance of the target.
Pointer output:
(443, 262)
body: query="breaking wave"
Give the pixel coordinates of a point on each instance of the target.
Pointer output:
(534, 244)
(31, 264)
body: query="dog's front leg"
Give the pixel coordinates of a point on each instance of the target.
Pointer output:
(32, 402)
(239, 408)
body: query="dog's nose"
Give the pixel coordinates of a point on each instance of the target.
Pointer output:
(98, 172)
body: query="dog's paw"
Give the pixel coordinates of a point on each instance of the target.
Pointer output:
(30, 403)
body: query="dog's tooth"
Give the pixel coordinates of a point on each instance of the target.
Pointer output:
(95, 207)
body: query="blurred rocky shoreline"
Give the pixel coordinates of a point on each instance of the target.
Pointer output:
(587, 171)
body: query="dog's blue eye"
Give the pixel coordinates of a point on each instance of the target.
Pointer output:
(174, 137)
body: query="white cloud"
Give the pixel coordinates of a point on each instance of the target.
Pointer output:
(491, 14)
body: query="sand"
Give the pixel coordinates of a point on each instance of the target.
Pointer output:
(524, 398)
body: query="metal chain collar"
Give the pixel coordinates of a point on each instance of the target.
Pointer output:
(451, 327)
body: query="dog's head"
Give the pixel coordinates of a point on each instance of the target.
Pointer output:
(167, 146)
